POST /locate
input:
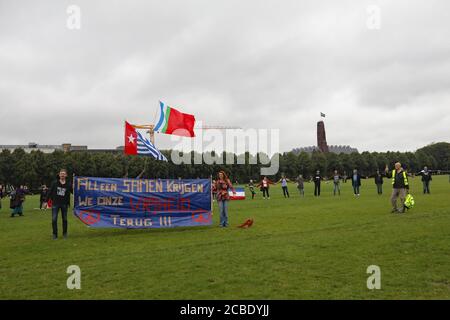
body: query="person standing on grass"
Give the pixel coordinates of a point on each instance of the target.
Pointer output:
(59, 193)
(426, 178)
(317, 180)
(336, 182)
(356, 182)
(43, 198)
(400, 186)
(213, 189)
(251, 187)
(223, 185)
(284, 181)
(264, 187)
(15, 202)
(19, 200)
(345, 177)
(379, 182)
(2, 194)
(301, 185)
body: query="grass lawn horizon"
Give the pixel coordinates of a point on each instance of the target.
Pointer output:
(297, 248)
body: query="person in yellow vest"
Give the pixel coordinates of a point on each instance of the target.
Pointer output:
(400, 185)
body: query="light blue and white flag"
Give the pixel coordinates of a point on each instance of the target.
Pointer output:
(146, 148)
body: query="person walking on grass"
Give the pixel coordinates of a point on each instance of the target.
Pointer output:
(223, 185)
(43, 198)
(379, 182)
(251, 187)
(317, 180)
(264, 187)
(426, 178)
(301, 185)
(2, 194)
(213, 189)
(336, 182)
(284, 181)
(356, 182)
(400, 186)
(15, 202)
(59, 194)
(345, 177)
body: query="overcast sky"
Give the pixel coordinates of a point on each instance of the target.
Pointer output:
(252, 63)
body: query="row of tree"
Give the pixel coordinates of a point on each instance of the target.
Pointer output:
(37, 168)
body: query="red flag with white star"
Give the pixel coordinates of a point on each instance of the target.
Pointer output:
(130, 139)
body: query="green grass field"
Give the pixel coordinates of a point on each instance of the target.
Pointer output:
(298, 248)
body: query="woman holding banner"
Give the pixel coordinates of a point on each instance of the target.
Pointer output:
(223, 185)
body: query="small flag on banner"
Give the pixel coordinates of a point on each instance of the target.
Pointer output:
(137, 144)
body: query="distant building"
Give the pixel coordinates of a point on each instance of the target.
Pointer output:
(322, 145)
(65, 147)
(332, 149)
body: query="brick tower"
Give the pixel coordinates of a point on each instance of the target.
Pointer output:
(321, 137)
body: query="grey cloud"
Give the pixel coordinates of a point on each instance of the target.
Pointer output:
(248, 63)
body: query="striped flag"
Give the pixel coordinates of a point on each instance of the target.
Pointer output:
(137, 144)
(172, 121)
(322, 115)
(240, 194)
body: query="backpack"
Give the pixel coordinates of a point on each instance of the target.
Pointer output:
(409, 201)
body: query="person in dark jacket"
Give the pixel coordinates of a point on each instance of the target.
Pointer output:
(379, 182)
(2, 194)
(60, 195)
(400, 186)
(20, 199)
(356, 182)
(301, 185)
(16, 197)
(426, 178)
(317, 180)
(43, 198)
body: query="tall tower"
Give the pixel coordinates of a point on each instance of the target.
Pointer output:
(321, 137)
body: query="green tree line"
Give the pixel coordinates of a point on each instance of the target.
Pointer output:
(37, 168)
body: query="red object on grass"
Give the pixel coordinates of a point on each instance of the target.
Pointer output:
(247, 224)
